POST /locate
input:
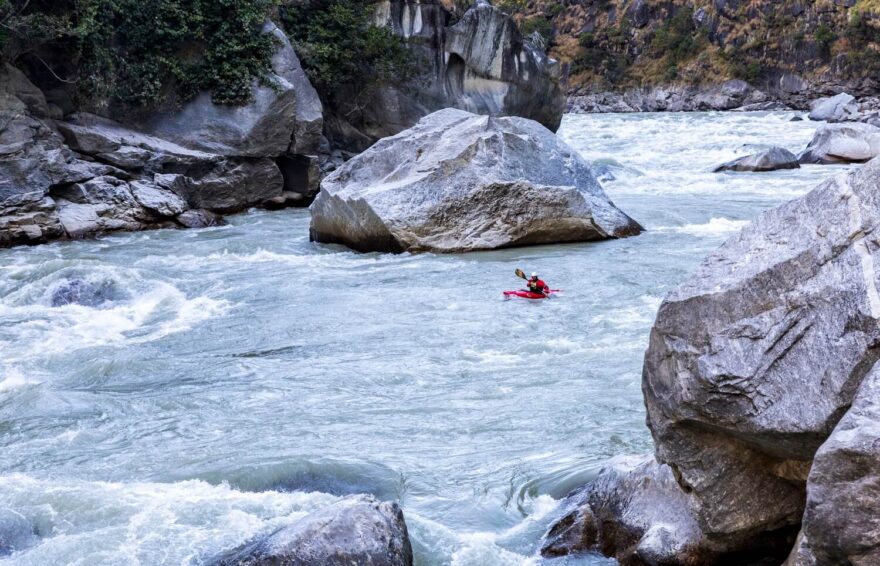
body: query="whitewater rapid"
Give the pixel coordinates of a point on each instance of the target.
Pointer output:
(218, 383)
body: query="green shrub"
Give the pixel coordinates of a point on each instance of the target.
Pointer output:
(339, 44)
(539, 24)
(145, 52)
(824, 37)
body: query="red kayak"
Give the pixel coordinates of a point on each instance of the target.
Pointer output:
(529, 294)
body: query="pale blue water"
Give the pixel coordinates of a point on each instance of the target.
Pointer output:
(242, 376)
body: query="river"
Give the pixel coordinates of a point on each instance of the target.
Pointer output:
(223, 381)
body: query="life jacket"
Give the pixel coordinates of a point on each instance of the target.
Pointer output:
(537, 286)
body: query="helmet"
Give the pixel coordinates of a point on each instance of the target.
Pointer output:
(534, 274)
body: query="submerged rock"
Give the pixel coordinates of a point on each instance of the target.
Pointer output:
(356, 530)
(771, 159)
(460, 182)
(843, 143)
(85, 292)
(839, 108)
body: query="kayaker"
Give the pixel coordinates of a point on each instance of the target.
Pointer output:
(536, 285)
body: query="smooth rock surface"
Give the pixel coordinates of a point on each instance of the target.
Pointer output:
(843, 143)
(771, 159)
(841, 522)
(289, 113)
(460, 182)
(355, 531)
(755, 358)
(838, 108)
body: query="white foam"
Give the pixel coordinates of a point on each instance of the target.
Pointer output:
(714, 226)
(155, 523)
(14, 379)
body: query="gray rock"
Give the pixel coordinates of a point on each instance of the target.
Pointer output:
(843, 143)
(199, 219)
(287, 115)
(231, 185)
(754, 359)
(118, 145)
(839, 108)
(356, 530)
(841, 523)
(86, 292)
(161, 201)
(98, 206)
(460, 182)
(636, 509)
(771, 159)
(481, 64)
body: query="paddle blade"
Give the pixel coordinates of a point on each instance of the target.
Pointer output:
(520, 274)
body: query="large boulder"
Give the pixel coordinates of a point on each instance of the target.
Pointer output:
(838, 108)
(756, 357)
(842, 523)
(356, 530)
(284, 115)
(771, 159)
(481, 64)
(460, 182)
(760, 388)
(843, 143)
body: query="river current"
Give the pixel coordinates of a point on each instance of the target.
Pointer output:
(220, 382)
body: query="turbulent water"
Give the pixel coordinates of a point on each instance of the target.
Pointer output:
(168, 395)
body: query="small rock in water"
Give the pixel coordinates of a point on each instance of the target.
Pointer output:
(771, 159)
(797, 119)
(86, 293)
(200, 218)
(356, 530)
(16, 532)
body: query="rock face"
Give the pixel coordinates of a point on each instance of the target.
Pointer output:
(841, 523)
(759, 367)
(286, 116)
(838, 108)
(356, 530)
(460, 182)
(843, 143)
(771, 159)
(480, 64)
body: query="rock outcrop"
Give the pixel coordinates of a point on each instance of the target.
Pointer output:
(86, 175)
(843, 143)
(460, 182)
(759, 386)
(481, 64)
(771, 159)
(356, 530)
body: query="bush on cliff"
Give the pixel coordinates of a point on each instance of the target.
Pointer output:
(340, 46)
(145, 52)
